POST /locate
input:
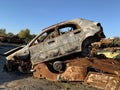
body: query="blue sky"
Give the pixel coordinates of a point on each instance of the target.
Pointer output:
(35, 15)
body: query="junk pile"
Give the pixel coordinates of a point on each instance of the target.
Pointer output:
(74, 50)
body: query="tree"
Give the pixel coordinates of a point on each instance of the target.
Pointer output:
(24, 34)
(10, 34)
(2, 32)
(117, 41)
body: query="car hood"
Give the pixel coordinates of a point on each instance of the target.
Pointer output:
(13, 50)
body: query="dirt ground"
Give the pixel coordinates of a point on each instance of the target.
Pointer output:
(20, 81)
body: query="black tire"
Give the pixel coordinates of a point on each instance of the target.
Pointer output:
(58, 66)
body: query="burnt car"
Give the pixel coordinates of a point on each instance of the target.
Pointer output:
(60, 40)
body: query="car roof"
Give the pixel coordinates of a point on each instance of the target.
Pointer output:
(78, 21)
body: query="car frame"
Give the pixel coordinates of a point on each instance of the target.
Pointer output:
(59, 40)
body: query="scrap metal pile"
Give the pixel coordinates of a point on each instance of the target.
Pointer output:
(74, 50)
(12, 39)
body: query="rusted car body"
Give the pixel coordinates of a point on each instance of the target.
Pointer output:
(57, 41)
(100, 73)
(62, 52)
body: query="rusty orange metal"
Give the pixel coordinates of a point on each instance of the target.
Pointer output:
(73, 73)
(42, 71)
(102, 81)
(76, 69)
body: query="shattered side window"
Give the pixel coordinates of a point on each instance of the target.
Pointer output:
(66, 28)
(49, 35)
(46, 36)
(40, 39)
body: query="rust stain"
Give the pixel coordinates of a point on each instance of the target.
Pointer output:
(102, 81)
(74, 73)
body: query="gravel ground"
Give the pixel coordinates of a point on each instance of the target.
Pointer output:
(19, 81)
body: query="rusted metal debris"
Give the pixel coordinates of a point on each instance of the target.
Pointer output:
(80, 66)
(102, 81)
(68, 51)
(106, 48)
(12, 39)
(99, 73)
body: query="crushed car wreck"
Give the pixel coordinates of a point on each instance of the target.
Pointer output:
(57, 41)
(62, 52)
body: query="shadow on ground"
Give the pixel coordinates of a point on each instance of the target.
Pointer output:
(8, 76)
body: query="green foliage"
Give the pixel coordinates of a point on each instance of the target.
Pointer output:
(10, 34)
(24, 34)
(117, 41)
(2, 32)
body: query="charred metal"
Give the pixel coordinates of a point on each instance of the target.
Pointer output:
(69, 51)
